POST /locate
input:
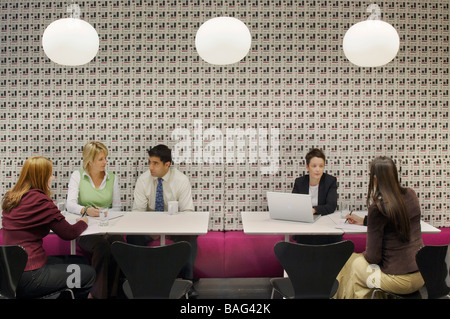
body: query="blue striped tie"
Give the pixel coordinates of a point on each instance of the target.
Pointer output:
(159, 200)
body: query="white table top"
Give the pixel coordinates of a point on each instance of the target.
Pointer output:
(146, 223)
(150, 223)
(259, 223)
(183, 223)
(355, 229)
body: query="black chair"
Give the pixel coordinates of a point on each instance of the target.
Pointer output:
(13, 259)
(311, 269)
(151, 272)
(434, 265)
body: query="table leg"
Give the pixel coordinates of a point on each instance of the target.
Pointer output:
(286, 239)
(73, 247)
(163, 240)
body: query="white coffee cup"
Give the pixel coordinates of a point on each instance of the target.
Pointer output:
(172, 207)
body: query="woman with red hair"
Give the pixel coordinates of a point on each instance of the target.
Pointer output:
(29, 214)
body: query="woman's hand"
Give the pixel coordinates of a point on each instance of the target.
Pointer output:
(84, 218)
(354, 219)
(93, 211)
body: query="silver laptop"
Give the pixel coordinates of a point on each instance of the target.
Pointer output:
(291, 206)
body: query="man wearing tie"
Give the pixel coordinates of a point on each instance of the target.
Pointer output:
(154, 189)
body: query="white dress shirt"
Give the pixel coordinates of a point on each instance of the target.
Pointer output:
(314, 192)
(72, 205)
(176, 187)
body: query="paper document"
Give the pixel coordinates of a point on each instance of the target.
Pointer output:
(344, 225)
(93, 227)
(110, 215)
(72, 218)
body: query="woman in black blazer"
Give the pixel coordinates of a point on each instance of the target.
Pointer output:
(323, 189)
(327, 194)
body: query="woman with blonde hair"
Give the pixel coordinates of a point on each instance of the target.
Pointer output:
(90, 189)
(393, 239)
(29, 215)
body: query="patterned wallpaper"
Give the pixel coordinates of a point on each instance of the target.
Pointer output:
(240, 130)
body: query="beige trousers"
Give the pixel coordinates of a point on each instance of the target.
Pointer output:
(357, 279)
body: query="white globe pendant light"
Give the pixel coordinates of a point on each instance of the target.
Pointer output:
(371, 43)
(223, 40)
(70, 41)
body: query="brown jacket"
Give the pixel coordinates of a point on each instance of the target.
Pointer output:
(384, 247)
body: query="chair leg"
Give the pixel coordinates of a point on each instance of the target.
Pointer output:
(71, 293)
(373, 293)
(381, 291)
(272, 294)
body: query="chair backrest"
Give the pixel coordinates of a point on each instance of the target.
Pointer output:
(151, 271)
(434, 265)
(13, 260)
(313, 269)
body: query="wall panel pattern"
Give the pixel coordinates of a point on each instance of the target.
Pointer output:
(241, 130)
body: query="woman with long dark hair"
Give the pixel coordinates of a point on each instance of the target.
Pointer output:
(393, 238)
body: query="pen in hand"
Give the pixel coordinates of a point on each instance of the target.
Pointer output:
(346, 220)
(85, 210)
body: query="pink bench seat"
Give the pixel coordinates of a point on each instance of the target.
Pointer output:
(233, 254)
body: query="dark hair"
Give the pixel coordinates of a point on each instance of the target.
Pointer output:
(162, 152)
(386, 193)
(314, 152)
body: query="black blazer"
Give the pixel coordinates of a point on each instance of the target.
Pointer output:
(327, 201)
